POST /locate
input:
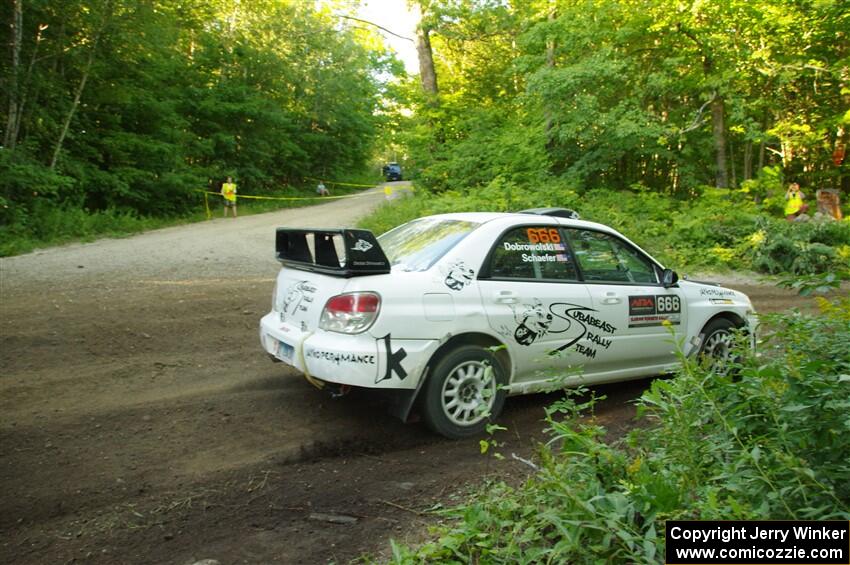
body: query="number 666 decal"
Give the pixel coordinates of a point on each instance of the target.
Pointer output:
(652, 305)
(668, 304)
(543, 235)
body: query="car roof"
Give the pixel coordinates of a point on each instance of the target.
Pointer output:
(509, 218)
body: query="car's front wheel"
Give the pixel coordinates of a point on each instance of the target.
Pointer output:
(464, 392)
(716, 349)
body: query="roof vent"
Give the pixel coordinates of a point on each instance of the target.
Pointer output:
(556, 212)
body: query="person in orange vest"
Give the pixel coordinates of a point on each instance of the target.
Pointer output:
(794, 205)
(228, 192)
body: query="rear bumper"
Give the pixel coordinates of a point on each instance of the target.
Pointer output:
(362, 360)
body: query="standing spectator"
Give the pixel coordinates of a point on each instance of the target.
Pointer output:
(321, 190)
(794, 205)
(228, 191)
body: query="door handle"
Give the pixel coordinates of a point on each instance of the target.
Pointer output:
(611, 298)
(505, 297)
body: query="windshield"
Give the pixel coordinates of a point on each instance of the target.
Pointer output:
(417, 245)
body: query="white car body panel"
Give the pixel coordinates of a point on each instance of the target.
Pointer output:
(605, 331)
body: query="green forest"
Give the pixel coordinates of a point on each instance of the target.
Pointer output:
(118, 111)
(679, 123)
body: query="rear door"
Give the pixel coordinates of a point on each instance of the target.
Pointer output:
(531, 292)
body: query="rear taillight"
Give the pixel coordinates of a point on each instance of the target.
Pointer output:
(350, 313)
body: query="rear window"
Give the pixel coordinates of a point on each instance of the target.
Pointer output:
(417, 245)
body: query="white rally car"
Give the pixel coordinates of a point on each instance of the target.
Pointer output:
(452, 313)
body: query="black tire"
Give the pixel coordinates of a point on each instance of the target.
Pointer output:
(464, 371)
(715, 346)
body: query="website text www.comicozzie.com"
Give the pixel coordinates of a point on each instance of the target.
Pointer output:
(779, 553)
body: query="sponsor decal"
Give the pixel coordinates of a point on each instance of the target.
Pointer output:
(585, 320)
(654, 310)
(535, 321)
(362, 245)
(532, 323)
(393, 361)
(718, 292)
(338, 358)
(721, 301)
(297, 298)
(459, 275)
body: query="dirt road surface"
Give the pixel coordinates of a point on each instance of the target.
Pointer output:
(141, 423)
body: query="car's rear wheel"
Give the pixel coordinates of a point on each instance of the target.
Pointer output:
(464, 392)
(716, 349)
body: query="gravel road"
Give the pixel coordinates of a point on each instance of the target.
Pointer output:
(141, 423)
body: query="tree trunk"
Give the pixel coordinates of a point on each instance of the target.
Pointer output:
(427, 74)
(748, 160)
(718, 127)
(77, 95)
(9, 139)
(732, 170)
(80, 87)
(25, 86)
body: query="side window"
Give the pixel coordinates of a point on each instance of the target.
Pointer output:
(603, 257)
(533, 252)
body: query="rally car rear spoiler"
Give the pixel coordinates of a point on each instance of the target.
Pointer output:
(335, 252)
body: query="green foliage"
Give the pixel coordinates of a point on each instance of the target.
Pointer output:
(51, 224)
(614, 94)
(803, 248)
(771, 443)
(719, 229)
(177, 97)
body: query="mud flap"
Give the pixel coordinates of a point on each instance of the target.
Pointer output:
(400, 402)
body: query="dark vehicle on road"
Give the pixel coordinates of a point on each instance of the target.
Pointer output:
(392, 171)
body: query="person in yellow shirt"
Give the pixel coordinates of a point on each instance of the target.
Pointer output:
(228, 192)
(794, 205)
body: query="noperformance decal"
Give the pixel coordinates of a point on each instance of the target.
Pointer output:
(338, 357)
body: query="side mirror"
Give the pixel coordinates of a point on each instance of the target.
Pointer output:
(669, 278)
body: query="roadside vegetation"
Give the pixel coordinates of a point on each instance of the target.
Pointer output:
(681, 124)
(116, 113)
(51, 224)
(716, 229)
(771, 443)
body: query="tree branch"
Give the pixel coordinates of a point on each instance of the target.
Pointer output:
(375, 25)
(698, 122)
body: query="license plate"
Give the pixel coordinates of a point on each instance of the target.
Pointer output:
(285, 351)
